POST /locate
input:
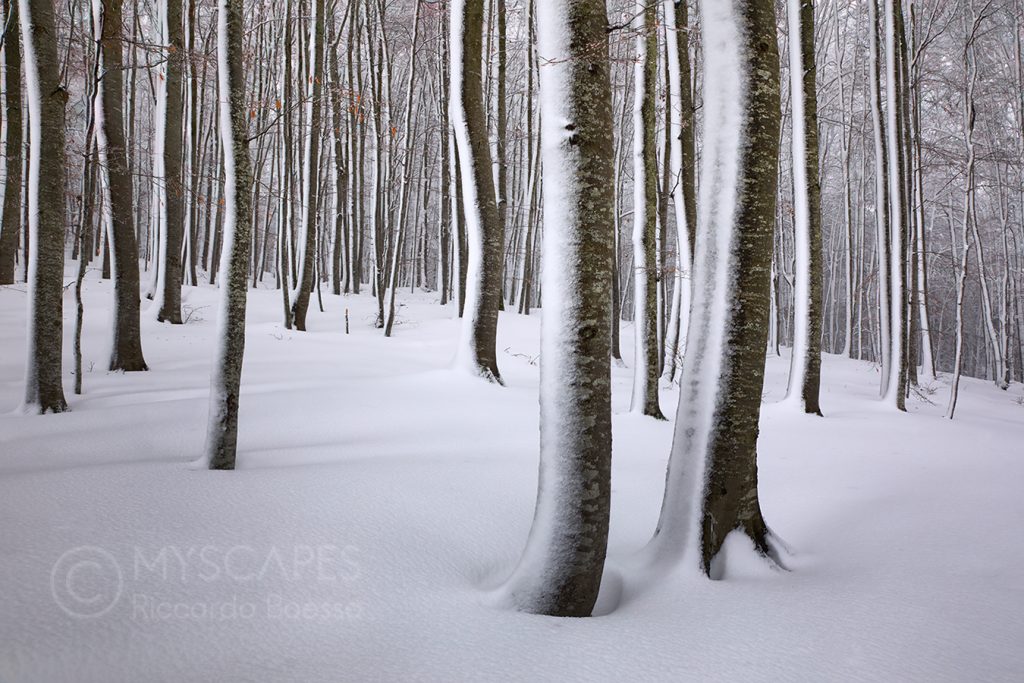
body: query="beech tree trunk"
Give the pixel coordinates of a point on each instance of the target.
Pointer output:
(645, 199)
(560, 573)
(47, 101)
(478, 343)
(126, 350)
(222, 430)
(300, 303)
(805, 363)
(711, 488)
(10, 228)
(170, 265)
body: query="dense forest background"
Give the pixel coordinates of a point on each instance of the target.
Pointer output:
(350, 133)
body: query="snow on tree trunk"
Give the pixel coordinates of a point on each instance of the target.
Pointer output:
(675, 342)
(711, 487)
(881, 197)
(477, 351)
(805, 362)
(126, 348)
(311, 170)
(407, 156)
(561, 568)
(961, 287)
(896, 385)
(10, 228)
(167, 298)
(444, 204)
(645, 192)
(927, 358)
(47, 100)
(156, 237)
(222, 428)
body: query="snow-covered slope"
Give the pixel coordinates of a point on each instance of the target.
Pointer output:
(381, 495)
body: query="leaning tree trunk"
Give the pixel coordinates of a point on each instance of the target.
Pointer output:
(805, 363)
(645, 197)
(711, 488)
(168, 296)
(126, 351)
(47, 100)
(560, 572)
(478, 342)
(222, 430)
(11, 226)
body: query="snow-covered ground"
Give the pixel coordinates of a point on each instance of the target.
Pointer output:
(380, 495)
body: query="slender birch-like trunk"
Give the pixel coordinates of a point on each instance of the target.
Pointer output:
(805, 363)
(645, 195)
(10, 228)
(477, 350)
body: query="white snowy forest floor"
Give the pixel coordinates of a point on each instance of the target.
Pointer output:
(379, 495)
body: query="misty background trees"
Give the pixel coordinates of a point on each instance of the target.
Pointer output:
(918, 125)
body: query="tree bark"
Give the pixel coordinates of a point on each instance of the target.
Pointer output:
(560, 573)
(300, 303)
(126, 350)
(10, 229)
(47, 101)
(711, 488)
(169, 282)
(645, 179)
(478, 343)
(222, 431)
(805, 363)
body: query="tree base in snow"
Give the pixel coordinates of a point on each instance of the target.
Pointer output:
(744, 556)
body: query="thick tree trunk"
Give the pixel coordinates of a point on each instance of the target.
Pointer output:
(222, 430)
(560, 573)
(711, 488)
(47, 100)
